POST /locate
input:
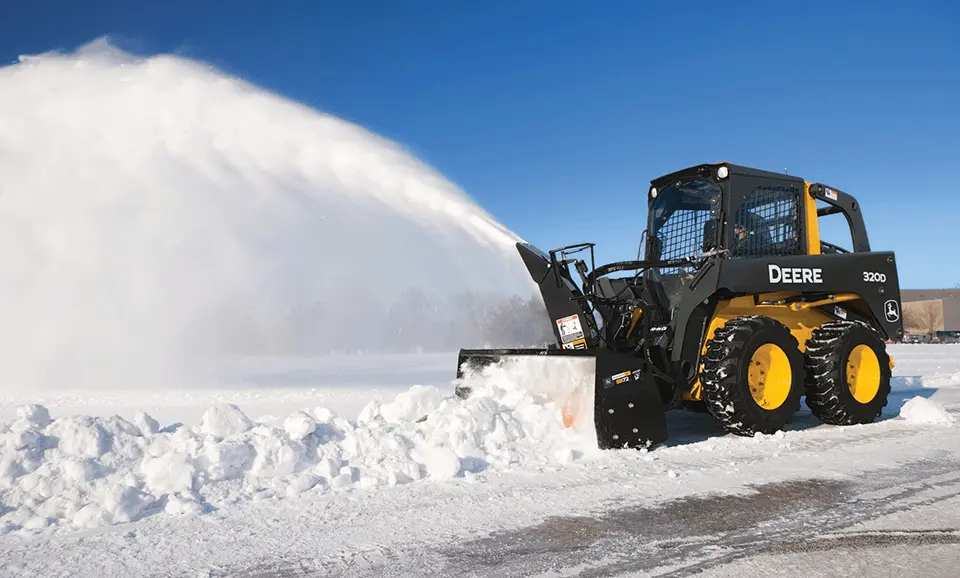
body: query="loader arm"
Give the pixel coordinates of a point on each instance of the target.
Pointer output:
(573, 310)
(574, 325)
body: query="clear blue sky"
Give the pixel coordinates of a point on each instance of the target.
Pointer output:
(555, 115)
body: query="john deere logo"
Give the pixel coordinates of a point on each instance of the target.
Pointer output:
(800, 275)
(891, 309)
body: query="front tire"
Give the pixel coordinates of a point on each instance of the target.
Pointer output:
(753, 375)
(848, 373)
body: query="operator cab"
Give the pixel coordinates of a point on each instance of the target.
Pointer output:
(721, 208)
(737, 212)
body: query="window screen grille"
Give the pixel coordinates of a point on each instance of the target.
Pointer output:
(682, 236)
(768, 223)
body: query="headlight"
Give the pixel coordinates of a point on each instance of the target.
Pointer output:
(653, 192)
(723, 172)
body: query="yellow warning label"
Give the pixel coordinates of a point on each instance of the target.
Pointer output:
(578, 344)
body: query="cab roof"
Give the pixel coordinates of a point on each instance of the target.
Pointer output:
(709, 171)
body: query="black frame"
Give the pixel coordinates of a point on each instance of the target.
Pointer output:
(841, 202)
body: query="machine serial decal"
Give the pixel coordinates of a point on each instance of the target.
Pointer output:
(621, 378)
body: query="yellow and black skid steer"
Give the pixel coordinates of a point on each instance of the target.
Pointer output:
(738, 308)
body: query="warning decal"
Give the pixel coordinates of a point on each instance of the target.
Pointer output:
(570, 329)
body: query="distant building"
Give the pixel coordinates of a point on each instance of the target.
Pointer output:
(931, 312)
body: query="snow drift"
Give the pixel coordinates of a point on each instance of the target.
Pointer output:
(154, 211)
(83, 472)
(922, 411)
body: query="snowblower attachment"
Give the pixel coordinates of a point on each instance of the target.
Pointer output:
(622, 401)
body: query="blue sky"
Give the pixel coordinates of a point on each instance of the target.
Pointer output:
(555, 115)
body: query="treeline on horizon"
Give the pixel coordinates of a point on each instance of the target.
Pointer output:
(415, 320)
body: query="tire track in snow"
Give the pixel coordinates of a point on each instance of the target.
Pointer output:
(682, 537)
(873, 539)
(689, 535)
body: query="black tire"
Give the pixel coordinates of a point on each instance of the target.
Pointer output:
(828, 395)
(695, 405)
(726, 387)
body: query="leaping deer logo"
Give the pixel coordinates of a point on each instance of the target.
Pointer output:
(892, 311)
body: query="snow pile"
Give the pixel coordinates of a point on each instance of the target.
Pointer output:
(941, 380)
(922, 411)
(88, 472)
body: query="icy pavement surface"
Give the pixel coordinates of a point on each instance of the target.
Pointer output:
(696, 533)
(492, 487)
(707, 535)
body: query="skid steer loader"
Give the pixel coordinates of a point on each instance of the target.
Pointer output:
(738, 309)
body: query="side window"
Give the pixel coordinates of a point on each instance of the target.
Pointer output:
(835, 233)
(768, 223)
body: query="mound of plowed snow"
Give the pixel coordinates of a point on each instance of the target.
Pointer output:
(923, 411)
(88, 472)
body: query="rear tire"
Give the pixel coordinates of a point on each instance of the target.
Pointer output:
(753, 375)
(848, 373)
(695, 405)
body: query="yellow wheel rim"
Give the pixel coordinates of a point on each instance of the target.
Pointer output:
(770, 376)
(863, 374)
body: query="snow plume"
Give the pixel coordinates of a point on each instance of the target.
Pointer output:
(84, 472)
(154, 211)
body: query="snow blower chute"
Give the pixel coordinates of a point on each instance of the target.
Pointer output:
(739, 309)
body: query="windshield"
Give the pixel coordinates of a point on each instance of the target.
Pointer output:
(682, 219)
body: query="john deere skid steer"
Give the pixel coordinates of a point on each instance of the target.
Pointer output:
(738, 308)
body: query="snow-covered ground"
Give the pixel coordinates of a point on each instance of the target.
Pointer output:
(146, 231)
(292, 472)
